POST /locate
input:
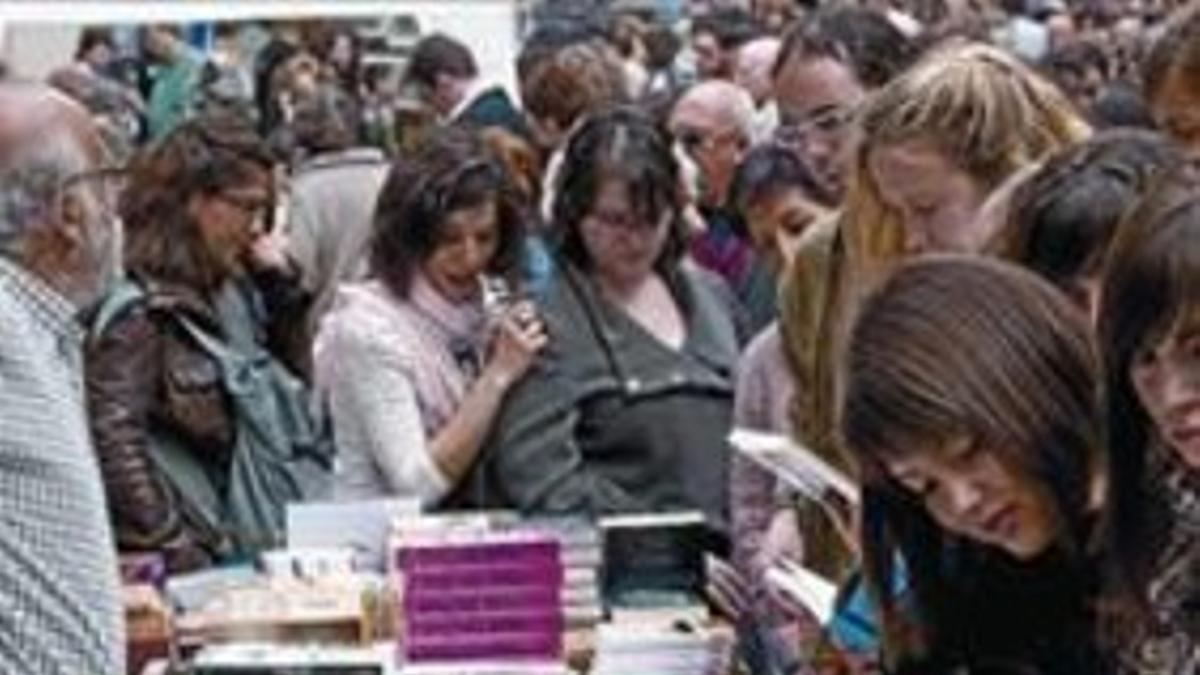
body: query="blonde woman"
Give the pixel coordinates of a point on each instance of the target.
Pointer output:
(933, 144)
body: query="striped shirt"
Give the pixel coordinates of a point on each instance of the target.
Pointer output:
(60, 608)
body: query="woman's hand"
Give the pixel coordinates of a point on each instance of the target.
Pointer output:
(726, 588)
(519, 336)
(782, 540)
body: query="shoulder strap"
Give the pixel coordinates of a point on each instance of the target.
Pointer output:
(120, 298)
(216, 348)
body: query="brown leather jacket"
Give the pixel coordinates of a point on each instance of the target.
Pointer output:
(144, 376)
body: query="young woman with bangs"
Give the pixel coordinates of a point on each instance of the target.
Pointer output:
(1149, 328)
(969, 404)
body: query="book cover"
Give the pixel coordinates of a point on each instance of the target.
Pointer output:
(794, 464)
(654, 562)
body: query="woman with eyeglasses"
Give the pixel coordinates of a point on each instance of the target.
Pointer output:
(413, 364)
(196, 208)
(628, 408)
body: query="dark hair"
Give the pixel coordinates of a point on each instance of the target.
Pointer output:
(731, 27)
(1068, 66)
(618, 144)
(662, 46)
(1151, 281)
(769, 168)
(1119, 104)
(328, 120)
(954, 346)
(863, 39)
(269, 60)
(92, 37)
(1076, 57)
(440, 54)
(202, 156)
(1177, 49)
(1063, 217)
(552, 34)
(450, 170)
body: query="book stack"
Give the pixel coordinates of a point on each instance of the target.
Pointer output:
(628, 649)
(582, 557)
(475, 595)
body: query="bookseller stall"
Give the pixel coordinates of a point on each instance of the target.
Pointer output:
(410, 594)
(376, 587)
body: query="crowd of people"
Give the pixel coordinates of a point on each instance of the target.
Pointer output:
(951, 247)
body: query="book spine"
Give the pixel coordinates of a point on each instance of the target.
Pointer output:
(475, 576)
(509, 597)
(513, 645)
(534, 552)
(548, 621)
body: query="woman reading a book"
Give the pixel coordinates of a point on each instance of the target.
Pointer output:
(969, 403)
(1150, 339)
(408, 366)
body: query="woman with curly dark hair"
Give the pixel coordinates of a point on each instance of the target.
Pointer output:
(408, 365)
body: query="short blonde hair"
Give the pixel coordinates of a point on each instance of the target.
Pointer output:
(986, 111)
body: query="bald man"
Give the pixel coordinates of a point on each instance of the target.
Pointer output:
(60, 608)
(714, 122)
(752, 71)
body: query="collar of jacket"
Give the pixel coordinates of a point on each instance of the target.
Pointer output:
(707, 338)
(170, 296)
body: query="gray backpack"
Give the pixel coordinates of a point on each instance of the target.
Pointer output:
(280, 454)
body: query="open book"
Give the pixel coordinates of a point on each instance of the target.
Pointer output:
(804, 587)
(795, 465)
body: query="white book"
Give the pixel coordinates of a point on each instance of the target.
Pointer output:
(805, 587)
(362, 526)
(794, 464)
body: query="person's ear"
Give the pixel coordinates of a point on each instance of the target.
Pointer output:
(55, 246)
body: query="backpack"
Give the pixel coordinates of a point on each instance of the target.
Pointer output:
(280, 455)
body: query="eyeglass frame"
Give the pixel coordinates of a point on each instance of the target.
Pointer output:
(109, 204)
(692, 139)
(636, 225)
(829, 120)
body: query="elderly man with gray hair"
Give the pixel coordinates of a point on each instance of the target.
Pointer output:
(59, 249)
(713, 125)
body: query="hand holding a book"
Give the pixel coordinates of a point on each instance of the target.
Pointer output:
(726, 588)
(781, 541)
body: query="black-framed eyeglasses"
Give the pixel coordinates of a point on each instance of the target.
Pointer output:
(826, 120)
(628, 222)
(103, 187)
(693, 139)
(257, 208)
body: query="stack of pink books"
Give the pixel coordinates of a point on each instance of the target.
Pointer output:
(479, 596)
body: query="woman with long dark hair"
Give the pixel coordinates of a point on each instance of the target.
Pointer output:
(969, 404)
(1149, 329)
